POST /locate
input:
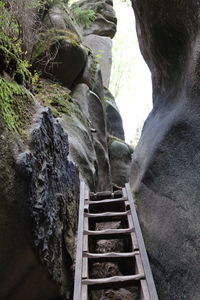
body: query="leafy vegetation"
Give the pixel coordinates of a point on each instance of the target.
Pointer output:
(83, 17)
(15, 105)
(15, 100)
(22, 40)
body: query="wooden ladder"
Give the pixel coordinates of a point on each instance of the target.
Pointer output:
(108, 207)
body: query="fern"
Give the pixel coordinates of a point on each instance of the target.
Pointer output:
(84, 17)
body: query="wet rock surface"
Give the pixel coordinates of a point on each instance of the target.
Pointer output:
(165, 173)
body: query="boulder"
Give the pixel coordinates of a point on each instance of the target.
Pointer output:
(92, 75)
(102, 50)
(98, 119)
(120, 155)
(165, 170)
(86, 127)
(59, 53)
(113, 117)
(78, 126)
(105, 22)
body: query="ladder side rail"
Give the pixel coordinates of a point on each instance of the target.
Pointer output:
(142, 249)
(78, 267)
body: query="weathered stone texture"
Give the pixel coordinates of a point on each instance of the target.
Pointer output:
(53, 191)
(105, 22)
(114, 119)
(102, 48)
(39, 192)
(165, 172)
(59, 54)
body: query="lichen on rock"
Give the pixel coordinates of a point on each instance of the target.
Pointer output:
(53, 192)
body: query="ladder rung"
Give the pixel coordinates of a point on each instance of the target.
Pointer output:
(108, 194)
(107, 201)
(100, 194)
(119, 281)
(109, 233)
(110, 255)
(108, 216)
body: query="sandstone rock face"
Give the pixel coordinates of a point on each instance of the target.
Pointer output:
(98, 36)
(92, 76)
(87, 132)
(65, 138)
(38, 213)
(120, 155)
(105, 22)
(102, 48)
(60, 54)
(114, 119)
(165, 172)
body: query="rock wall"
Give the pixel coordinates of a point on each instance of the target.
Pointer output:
(165, 172)
(60, 132)
(39, 191)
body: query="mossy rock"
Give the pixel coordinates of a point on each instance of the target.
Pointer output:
(59, 54)
(16, 104)
(11, 62)
(55, 96)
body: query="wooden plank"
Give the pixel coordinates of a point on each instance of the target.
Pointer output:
(85, 272)
(111, 255)
(100, 195)
(85, 268)
(115, 279)
(85, 238)
(108, 216)
(133, 236)
(86, 198)
(86, 193)
(144, 291)
(108, 231)
(143, 253)
(122, 199)
(139, 266)
(84, 292)
(78, 267)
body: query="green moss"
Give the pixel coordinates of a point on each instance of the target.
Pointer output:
(51, 38)
(15, 105)
(106, 99)
(84, 17)
(113, 138)
(55, 96)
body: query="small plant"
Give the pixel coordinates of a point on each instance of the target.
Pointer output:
(84, 17)
(15, 105)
